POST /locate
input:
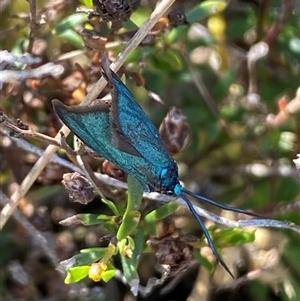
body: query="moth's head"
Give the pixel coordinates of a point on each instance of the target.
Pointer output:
(169, 180)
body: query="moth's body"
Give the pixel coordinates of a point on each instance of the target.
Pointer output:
(121, 136)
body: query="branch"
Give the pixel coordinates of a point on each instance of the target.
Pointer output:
(28, 147)
(39, 72)
(19, 129)
(8, 58)
(261, 223)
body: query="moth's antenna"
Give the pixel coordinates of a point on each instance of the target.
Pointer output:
(214, 203)
(206, 234)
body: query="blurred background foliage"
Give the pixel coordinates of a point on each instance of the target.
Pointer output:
(234, 74)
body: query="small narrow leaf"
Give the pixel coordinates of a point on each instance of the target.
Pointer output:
(161, 212)
(76, 274)
(111, 206)
(135, 194)
(129, 224)
(130, 273)
(232, 237)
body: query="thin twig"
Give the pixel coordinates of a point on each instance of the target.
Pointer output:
(16, 131)
(28, 147)
(256, 52)
(11, 58)
(39, 72)
(87, 169)
(33, 25)
(260, 223)
(286, 10)
(42, 162)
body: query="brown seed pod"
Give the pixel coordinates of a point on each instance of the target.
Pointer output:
(175, 131)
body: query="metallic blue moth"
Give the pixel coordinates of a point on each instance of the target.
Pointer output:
(123, 134)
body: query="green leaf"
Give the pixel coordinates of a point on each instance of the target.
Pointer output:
(111, 206)
(232, 237)
(76, 274)
(205, 9)
(131, 217)
(139, 245)
(89, 256)
(108, 274)
(161, 212)
(130, 273)
(129, 224)
(89, 219)
(66, 29)
(135, 194)
(73, 38)
(70, 23)
(87, 3)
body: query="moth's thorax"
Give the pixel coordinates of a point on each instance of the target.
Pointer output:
(169, 179)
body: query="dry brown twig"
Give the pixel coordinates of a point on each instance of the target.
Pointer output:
(18, 129)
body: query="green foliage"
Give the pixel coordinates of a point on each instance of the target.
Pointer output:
(66, 30)
(233, 237)
(162, 212)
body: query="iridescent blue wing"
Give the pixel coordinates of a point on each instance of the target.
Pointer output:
(92, 125)
(130, 124)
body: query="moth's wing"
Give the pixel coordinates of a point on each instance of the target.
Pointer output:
(93, 127)
(119, 139)
(131, 123)
(88, 124)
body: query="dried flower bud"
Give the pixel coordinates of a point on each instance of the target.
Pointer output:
(175, 131)
(79, 188)
(113, 10)
(113, 171)
(177, 17)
